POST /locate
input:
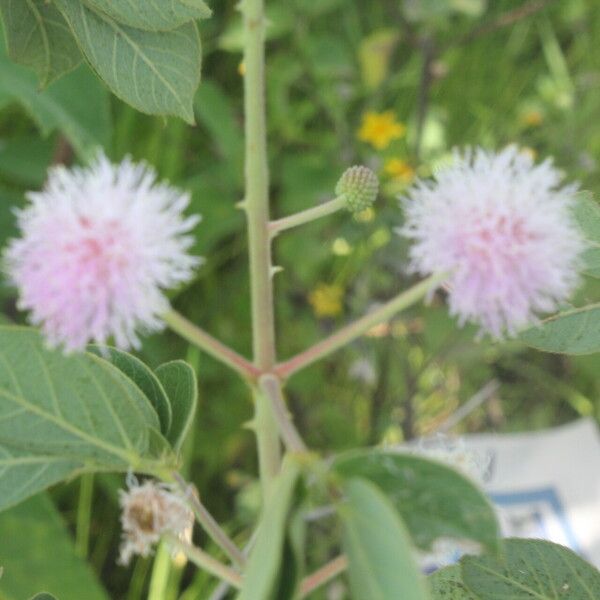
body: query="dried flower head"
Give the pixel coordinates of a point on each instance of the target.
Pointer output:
(98, 246)
(148, 511)
(503, 230)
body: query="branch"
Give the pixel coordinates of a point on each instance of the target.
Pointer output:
(209, 524)
(306, 216)
(271, 387)
(324, 575)
(187, 330)
(205, 561)
(256, 204)
(358, 328)
(222, 589)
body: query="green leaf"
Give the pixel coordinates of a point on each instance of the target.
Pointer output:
(591, 261)
(38, 37)
(531, 569)
(264, 564)
(377, 544)
(37, 553)
(293, 561)
(587, 215)
(156, 72)
(44, 596)
(77, 105)
(144, 378)
(433, 500)
(572, 332)
(152, 16)
(179, 382)
(62, 414)
(447, 584)
(23, 475)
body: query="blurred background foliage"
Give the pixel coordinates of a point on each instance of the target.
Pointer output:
(394, 84)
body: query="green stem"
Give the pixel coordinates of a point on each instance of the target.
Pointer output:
(161, 570)
(267, 439)
(209, 524)
(306, 216)
(205, 561)
(187, 330)
(256, 204)
(84, 512)
(359, 327)
(271, 386)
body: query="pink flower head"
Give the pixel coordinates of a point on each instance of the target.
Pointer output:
(502, 228)
(98, 246)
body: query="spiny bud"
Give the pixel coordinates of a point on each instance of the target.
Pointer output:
(359, 187)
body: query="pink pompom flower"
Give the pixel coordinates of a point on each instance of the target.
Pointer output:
(502, 228)
(98, 247)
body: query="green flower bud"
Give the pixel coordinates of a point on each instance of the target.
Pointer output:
(359, 187)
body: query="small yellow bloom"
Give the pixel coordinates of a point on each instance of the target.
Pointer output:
(341, 247)
(242, 68)
(532, 118)
(380, 129)
(326, 300)
(365, 216)
(380, 238)
(399, 169)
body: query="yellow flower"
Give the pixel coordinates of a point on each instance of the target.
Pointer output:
(379, 129)
(399, 169)
(242, 68)
(326, 300)
(341, 247)
(365, 216)
(532, 118)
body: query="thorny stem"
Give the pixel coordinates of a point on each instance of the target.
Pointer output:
(192, 333)
(271, 416)
(205, 561)
(209, 524)
(354, 330)
(323, 575)
(256, 204)
(271, 387)
(306, 216)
